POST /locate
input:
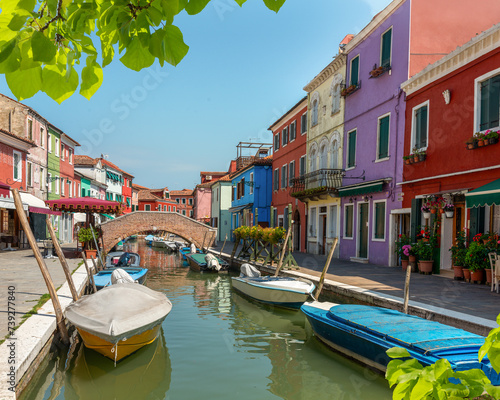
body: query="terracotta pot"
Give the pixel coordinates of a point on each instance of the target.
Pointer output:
(441, 211)
(470, 146)
(412, 258)
(407, 161)
(466, 273)
(458, 270)
(486, 142)
(415, 159)
(488, 276)
(477, 276)
(425, 266)
(480, 143)
(433, 211)
(91, 253)
(404, 264)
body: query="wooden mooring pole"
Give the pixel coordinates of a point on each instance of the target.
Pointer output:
(62, 259)
(222, 248)
(61, 326)
(325, 268)
(89, 273)
(285, 245)
(407, 289)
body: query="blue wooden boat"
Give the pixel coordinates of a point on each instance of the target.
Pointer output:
(187, 250)
(129, 262)
(198, 263)
(149, 239)
(365, 333)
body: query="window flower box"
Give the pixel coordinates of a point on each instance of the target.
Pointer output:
(482, 139)
(377, 71)
(349, 90)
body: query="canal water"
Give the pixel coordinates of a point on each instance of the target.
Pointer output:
(215, 344)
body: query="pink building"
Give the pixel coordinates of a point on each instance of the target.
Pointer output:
(202, 209)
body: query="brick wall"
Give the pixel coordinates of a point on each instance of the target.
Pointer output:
(142, 221)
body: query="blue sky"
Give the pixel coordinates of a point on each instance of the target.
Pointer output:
(244, 69)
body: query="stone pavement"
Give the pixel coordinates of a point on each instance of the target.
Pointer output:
(20, 270)
(440, 291)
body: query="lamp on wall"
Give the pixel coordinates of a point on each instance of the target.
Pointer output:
(447, 96)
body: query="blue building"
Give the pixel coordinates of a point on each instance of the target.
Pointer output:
(251, 194)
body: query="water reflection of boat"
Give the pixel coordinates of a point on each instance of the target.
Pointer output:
(144, 375)
(119, 319)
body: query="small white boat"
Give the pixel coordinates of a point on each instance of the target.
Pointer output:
(281, 291)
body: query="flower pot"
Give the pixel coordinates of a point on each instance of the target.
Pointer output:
(415, 159)
(488, 276)
(412, 258)
(449, 214)
(486, 142)
(433, 211)
(471, 146)
(466, 273)
(441, 211)
(493, 140)
(425, 266)
(91, 253)
(404, 264)
(480, 143)
(477, 275)
(427, 214)
(421, 157)
(458, 271)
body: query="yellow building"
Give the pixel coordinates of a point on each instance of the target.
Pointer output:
(318, 188)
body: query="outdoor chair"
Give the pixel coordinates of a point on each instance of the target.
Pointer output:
(495, 270)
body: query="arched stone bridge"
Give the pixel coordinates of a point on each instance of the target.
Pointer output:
(143, 221)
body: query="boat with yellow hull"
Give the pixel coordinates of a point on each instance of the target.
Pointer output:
(119, 319)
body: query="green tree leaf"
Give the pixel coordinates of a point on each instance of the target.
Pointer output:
(397, 352)
(92, 77)
(10, 57)
(24, 83)
(274, 5)
(421, 389)
(196, 6)
(58, 83)
(168, 45)
(240, 2)
(137, 57)
(43, 48)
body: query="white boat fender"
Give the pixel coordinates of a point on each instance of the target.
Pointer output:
(193, 248)
(249, 271)
(212, 262)
(120, 276)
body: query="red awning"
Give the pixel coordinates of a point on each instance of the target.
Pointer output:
(38, 210)
(84, 205)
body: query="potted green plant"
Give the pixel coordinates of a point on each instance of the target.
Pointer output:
(449, 209)
(87, 239)
(492, 136)
(426, 210)
(458, 254)
(403, 241)
(424, 253)
(407, 160)
(476, 260)
(471, 143)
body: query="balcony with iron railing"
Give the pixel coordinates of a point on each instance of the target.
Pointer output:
(315, 184)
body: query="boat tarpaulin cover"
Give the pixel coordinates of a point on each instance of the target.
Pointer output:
(119, 311)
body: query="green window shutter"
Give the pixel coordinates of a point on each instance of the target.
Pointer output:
(379, 220)
(490, 103)
(386, 48)
(348, 221)
(351, 156)
(421, 127)
(355, 71)
(383, 140)
(415, 218)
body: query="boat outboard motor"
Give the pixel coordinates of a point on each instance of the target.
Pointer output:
(121, 276)
(212, 262)
(124, 260)
(193, 248)
(249, 271)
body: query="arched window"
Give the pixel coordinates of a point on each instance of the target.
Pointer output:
(323, 157)
(334, 158)
(312, 160)
(336, 98)
(315, 112)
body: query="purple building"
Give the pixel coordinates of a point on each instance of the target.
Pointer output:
(399, 42)
(377, 63)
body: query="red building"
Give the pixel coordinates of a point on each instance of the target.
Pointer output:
(289, 150)
(13, 153)
(211, 176)
(185, 200)
(156, 200)
(127, 193)
(447, 103)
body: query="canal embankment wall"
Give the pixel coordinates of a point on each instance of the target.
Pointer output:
(434, 298)
(32, 340)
